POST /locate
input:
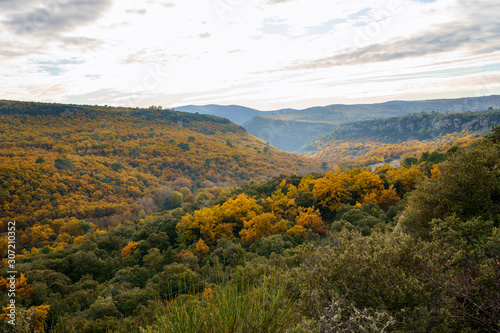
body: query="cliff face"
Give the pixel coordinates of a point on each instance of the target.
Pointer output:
(419, 126)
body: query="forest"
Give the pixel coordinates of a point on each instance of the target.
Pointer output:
(364, 143)
(263, 243)
(60, 164)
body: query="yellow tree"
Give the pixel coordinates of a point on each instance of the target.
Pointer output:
(283, 205)
(201, 248)
(23, 321)
(297, 230)
(209, 223)
(242, 208)
(406, 178)
(310, 219)
(129, 249)
(332, 190)
(364, 183)
(258, 226)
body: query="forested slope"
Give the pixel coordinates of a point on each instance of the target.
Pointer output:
(411, 249)
(89, 162)
(372, 141)
(417, 126)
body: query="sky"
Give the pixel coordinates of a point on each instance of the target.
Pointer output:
(264, 54)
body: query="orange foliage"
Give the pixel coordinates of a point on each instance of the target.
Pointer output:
(297, 230)
(332, 190)
(310, 219)
(129, 249)
(359, 153)
(201, 248)
(407, 177)
(23, 291)
(258, 226)
(38, 322)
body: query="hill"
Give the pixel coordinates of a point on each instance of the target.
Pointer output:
(373, 141)
(416, 126)
(302, 126)
(237, 114)
(89, 162)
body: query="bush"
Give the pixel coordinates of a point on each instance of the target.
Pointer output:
(227, 309)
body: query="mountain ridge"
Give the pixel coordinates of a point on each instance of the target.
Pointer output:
(291, 129)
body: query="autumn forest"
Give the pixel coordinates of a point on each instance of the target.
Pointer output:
(155, 220)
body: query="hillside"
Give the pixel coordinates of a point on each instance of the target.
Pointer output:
(411, 249)
(373, 141)
(417, 126)
(88, 162)
(300, 124)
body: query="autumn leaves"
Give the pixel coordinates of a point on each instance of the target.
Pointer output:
(250, 219)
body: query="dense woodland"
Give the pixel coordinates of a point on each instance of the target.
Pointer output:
(417, 126)
(60, 164)
(380, 140)
(408, 249)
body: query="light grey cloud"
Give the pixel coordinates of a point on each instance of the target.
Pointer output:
(274, 2)
(274, 26)
(478, 31)
(54, 18)
(141, 11)
(81, 42)
(205, 35)
(136, 57)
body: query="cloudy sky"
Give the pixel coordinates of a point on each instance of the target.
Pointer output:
(266, 54)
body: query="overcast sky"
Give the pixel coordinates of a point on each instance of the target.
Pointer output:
(265, 54)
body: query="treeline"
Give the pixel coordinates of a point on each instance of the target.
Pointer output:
(370, 142)
(169, 116)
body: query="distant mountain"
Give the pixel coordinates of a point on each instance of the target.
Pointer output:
(237, 114)
(290, 130)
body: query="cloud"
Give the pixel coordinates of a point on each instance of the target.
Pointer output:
(477, 32)
(56, 17)
(273, 26)
(57, 67)
(81, 42)
(204, 35)
(141, 11)
(274, 2)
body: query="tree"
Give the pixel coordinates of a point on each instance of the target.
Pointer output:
(258, 226)
(154, 259)
(207, 222)
(201, 248)
(129, 249)
(364, 183)
(332, 190)
(310, 219)
(468, 185)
